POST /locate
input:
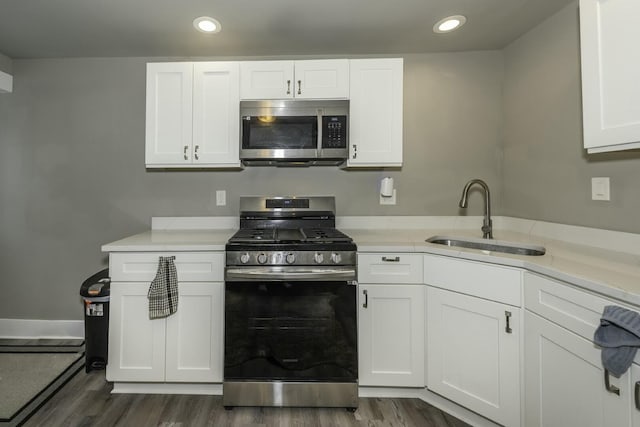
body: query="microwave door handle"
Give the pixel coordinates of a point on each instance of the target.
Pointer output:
(319, 145)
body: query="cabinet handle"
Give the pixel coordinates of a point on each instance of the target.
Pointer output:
(613, 389)
(366, 299)
(396, 259)
(355, 151)
(299, 87)
(196, 152)
(288, 87)
(507, 316)
(186, 147)
(637, 395)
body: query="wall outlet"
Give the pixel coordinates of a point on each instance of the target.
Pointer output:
(221, 197)
(600, 188)
(388, 200)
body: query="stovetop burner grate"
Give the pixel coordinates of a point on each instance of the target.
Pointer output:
(289, 235)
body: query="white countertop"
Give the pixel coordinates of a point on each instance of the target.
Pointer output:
(590, 264)
(610, 273)
(172, 240)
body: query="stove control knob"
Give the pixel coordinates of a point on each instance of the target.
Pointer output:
(262, 258)
(290, 258)
(318, 257)
(244, 258)
(336, 258)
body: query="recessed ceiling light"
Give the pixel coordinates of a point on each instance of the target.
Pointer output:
(449, 23)
(207, 25)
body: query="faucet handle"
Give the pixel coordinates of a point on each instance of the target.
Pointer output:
(487, 230)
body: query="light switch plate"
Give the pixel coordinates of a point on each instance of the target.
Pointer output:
(221, 197)
(600, 189)
(388, 200)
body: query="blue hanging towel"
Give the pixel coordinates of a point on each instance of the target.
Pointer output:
(619, 337)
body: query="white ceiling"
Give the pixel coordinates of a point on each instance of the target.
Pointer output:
(108, 28)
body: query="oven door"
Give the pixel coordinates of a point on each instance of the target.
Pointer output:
(290, 330)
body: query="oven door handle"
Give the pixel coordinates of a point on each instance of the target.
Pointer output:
(311, 274)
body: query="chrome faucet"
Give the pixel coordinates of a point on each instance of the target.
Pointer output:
(487, 227)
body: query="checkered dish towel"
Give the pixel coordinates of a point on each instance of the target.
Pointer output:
(163, 292)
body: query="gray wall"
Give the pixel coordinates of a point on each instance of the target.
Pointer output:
(72, 173)
(547, 173)
(6, 64)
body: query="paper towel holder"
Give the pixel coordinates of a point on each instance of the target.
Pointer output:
(387, 191)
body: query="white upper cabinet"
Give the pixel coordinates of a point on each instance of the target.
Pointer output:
(192, 114)
(609, 34)
(375, 117)
(216, 113)
(313, 79)
(169, 113)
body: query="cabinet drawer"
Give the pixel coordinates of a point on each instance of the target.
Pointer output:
(577, 310)
(191, 266)
(389, 268)
(495, 283)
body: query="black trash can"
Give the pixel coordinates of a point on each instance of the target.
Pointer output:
(95, 293)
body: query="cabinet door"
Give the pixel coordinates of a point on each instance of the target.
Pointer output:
(169, 113)
(609, 31)
(472, 358)
(564, 380)
(216, 113)
(375, 118)
(195, 334)
(136, 343)
(266, 80)
(635, 404)
(322, 79)
(391, 335)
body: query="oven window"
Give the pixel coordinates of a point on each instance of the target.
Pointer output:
(294, 132)
(290, 331)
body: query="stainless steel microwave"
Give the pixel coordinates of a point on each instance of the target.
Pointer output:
(294, 132)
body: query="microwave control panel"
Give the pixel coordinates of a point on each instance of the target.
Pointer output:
(334, 131)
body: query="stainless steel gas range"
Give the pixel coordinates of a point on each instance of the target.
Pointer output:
(290, 306)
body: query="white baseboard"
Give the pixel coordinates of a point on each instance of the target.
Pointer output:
(32, 328)
(168, 388)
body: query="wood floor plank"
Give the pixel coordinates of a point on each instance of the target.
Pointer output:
(86, 400)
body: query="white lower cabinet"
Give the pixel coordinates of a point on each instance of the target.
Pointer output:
(635, 383)
(194, 350)
(391, 335)
(184, 347)
(564, 380)
(136, 343)
(474, 353)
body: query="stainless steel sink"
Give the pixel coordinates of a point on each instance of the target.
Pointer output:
(490, 245)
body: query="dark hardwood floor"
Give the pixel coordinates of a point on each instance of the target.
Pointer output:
(86, 400)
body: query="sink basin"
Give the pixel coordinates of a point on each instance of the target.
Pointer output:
(490, 245)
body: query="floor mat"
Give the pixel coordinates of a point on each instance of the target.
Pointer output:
(29, 378)
(41, 345)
